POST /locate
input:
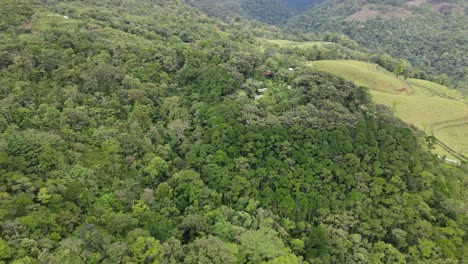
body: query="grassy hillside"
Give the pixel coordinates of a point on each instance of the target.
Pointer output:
(424, 104)
(434, 89)
(366, 74)
(420, 110)
(456, 136)
(430, 35)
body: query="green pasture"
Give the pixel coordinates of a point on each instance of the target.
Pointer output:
(366, 74)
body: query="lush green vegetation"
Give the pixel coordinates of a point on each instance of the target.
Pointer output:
(365, 74)
(430, 35)
(130, 137)
(426, 105)
(432, 41)
(274, 12)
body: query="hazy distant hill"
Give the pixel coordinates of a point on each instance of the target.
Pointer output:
(431, 34)
(270, 11)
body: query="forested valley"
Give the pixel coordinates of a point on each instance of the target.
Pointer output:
(145, 131)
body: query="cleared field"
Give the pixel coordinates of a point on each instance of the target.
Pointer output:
(455, 136)
(366, 74)
(420, 110)
(425, 111)
(289, 43)
(424, 87)
(49, 20)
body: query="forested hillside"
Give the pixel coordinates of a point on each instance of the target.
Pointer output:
(142, 131)
(432, 35)
(274, 12)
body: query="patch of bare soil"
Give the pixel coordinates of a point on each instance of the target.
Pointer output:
(439, 6)
(402, 90)
(364, 14)
(443, 7)
(391, 12)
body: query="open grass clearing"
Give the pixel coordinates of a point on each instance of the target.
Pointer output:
(455, 136)
(421, 111)
(365, 74)
(46, 21)
(419, 86)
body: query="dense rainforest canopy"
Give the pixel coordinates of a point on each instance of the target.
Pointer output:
(269, 11)
(146, 132)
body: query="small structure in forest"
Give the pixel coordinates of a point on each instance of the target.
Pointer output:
(270, 74)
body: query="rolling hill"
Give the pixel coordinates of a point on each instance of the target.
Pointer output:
(428, 106)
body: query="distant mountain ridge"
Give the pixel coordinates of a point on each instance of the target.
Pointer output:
(273, 12)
